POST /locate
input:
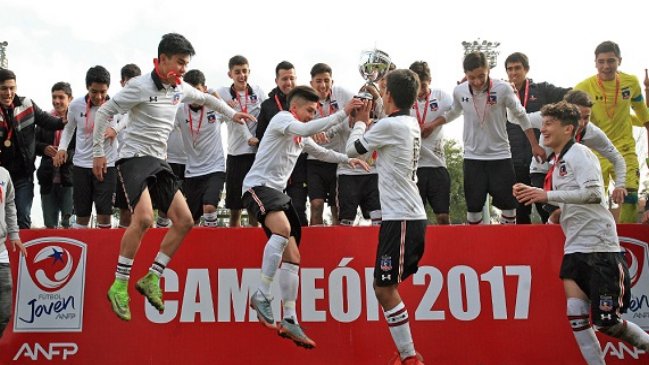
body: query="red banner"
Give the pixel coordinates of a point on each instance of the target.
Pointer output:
(483, 295)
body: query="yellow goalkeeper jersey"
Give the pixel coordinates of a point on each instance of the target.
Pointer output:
(613, 101)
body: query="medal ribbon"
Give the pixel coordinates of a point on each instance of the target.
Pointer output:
(617, 91)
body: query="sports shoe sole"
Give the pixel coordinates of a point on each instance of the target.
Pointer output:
(156, 306)
(281, 332)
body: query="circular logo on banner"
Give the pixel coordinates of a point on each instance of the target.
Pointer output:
(635, 254)
(54, 265)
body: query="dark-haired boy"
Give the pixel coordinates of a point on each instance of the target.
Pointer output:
(19, 117)
(486, 104)
(145, 179)
(81, 119)
(242, 140)
(55, 182)
(204, 174)
(286, 137)
(397, 139)
(595, 275)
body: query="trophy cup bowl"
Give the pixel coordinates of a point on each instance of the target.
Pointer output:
(373, 66)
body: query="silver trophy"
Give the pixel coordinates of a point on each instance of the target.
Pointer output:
(486, 47)
(373, 66)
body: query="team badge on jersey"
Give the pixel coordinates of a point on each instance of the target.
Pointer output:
(605, 303)
(386, 263)
(334, 105)
(434, 105)
(253, 99)
(626, 93)
(493, 98)
(563, 170)
(176, 98)
(211, 116)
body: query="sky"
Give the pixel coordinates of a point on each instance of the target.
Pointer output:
(52, 41)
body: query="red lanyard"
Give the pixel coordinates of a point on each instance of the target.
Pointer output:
(6, 124)
(296, 139)
(57, 138)
(89, 126)
(279, 105)
(421, 119)
(244, 106)
(331, 107)
(191, 124)
(527, 93)
(547, 182)
(481, 118)
(617, 91)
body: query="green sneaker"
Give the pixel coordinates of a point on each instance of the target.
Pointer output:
(149, 286)
(118, 297)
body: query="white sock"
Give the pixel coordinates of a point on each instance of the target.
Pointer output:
(163, 222)
(272, 257)
(161, 261)
(508, 216)
(210, 219)
(629, 332)
(473, 217)
(578, 315)
(78, 226)
(289, 282)
(104, 225)
(376, 217)
(124, 265)
(399, 327)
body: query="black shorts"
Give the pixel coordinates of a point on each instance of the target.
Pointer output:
(88, 190)
(434, 185)
(355, 191)
(235, 171)
(137, 173)
(178, 169)
(203, 190)
(321, 180)
(261, 199)
(493, 177)
(401, 246)
(604, 277)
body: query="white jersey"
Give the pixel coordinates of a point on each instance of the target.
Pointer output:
(485, 119)
(152, 106)
(176, 147)
(248, 101)
(82, 119)
(202, 139)
(284, 140)
(432, 147)
(337, 100)
(343, 131)
(589, 227)
(121, 124)
(592, 137)
(398, 141)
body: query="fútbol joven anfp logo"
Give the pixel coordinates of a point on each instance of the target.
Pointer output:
(637, 258)
(49, 294)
